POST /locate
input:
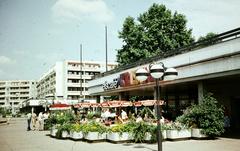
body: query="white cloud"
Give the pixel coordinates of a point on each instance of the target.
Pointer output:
(5, 60)
(82, 10)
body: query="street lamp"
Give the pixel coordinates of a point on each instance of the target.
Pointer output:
(159, 72)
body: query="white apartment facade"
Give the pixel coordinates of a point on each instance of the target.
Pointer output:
(13, 92)
(68, 80)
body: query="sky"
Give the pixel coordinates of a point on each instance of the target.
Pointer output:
(35, 34)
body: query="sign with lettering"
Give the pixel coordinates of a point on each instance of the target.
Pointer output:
(111, 85)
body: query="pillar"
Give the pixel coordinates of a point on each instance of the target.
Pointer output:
(200, 91)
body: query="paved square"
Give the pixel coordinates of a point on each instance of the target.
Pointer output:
(14, 137)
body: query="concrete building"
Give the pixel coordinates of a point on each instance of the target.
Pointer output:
(13, 92)
(211, 66)
(68, 80)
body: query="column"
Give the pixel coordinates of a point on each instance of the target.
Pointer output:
(200, 91)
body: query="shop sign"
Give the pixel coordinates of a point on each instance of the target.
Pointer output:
(111, 85)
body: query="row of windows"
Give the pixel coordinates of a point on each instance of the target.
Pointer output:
(17, 88)
(17, 98)
(84, 65)
(83, 73)
(77, 89)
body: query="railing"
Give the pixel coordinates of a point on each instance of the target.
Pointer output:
(229, 35)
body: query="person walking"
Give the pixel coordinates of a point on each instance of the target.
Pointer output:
(29, 116)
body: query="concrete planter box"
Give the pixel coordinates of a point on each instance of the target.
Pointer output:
(148, 135)
(76, 135)
(196, 133)
(53, 132)
(65, 134)
(115, 136)
(94, 136)
(179, 134)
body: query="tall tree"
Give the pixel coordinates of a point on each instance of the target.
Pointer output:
(208, 36)
(155, 32)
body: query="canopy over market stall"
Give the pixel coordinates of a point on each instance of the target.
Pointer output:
(116, 104)
(59, 107)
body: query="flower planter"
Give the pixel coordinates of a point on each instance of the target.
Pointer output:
(148, 135)
(53, 132)
(76, 135)
(179, 134)
(65, 134)
(116, 136)
(196, 133)
(94, 136)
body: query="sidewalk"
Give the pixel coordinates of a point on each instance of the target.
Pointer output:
(14, 137)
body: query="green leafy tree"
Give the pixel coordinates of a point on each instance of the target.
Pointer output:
(156, 32)
(208, 36)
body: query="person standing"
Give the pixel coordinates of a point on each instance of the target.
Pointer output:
(124, 115)
(40, 121)
(34, 120)
(29, 116)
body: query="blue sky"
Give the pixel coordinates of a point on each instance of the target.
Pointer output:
(36, 34)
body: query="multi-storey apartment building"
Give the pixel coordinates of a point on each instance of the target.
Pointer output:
(68, 80)
(15, 91)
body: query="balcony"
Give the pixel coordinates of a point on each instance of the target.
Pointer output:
(77, 93)
(77, 85)
(97, 69)
(74, 76)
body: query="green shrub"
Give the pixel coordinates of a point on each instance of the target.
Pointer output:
(174, 126)
(77, 127)
(48, 123)
(64, 117)
(94, 127)
(92, 115)
(207, 115)
(64, 127)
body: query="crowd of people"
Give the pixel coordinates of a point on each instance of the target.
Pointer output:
(36, 122)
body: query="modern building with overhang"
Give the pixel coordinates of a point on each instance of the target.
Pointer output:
(208, 66)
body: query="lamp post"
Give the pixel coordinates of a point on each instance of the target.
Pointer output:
(159, 72)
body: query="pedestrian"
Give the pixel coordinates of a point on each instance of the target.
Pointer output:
(29, 116)
(124, 115)
(40, 121)
(34, 120)
(45, 117)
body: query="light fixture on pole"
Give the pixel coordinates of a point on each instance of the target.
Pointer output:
(157, 71)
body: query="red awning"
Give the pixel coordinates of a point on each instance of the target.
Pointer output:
(115, 103)
(138, 104)
(59, 107)
(105, 104)
(85, 105)
(126, 103)
(148, 102)
(94, 104)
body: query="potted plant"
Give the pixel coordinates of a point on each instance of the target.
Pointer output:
(76, 131)
(63, 130)
(205, 118)
(53, 130)
(119, 132)
(151, 136)
(176, 130)
(94, 131)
